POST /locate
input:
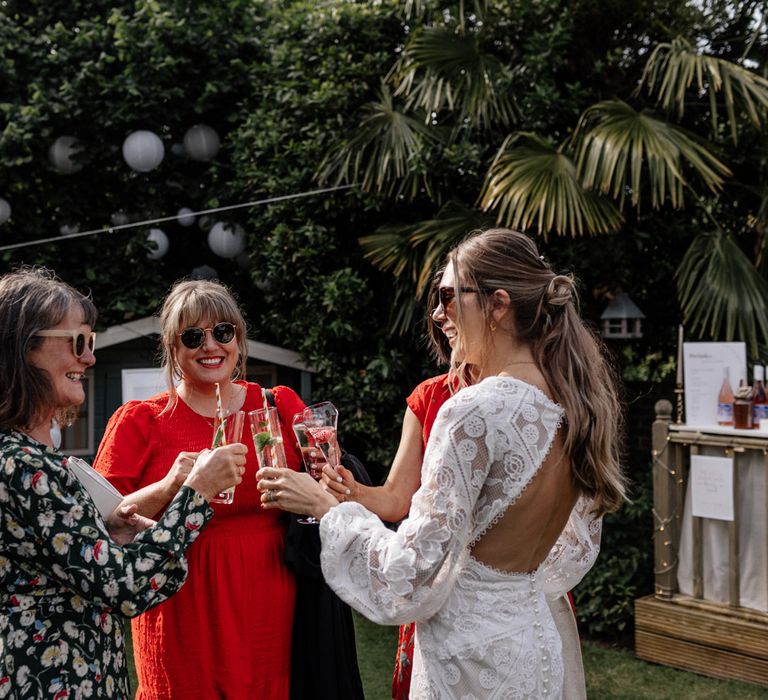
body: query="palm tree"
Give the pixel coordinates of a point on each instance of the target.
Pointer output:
(454, 83)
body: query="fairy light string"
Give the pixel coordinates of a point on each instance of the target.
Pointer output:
(175, 217)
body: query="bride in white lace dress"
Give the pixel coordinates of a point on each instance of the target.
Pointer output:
(525, 456)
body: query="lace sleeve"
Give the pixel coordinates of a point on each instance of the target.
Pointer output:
(395, 577)
(574, 552)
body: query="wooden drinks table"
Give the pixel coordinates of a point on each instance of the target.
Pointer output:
(709, 612)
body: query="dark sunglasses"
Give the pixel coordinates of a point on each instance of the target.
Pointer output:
(445, 295)
(79, 340)
(222, 333)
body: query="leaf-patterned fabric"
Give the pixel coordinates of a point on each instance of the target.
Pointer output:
(65, 586)
(481, 633)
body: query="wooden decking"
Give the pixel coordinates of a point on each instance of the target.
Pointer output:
(708, 638)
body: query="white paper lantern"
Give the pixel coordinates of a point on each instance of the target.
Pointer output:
(226, 241)
(157, 236)
(61, 154)
(143, 151)
(119, 218)
(185, 216)
(5, 210)
(69, 229)
(204, 272)
(201, 142)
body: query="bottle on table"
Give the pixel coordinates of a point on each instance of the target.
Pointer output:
(725, 400)
(759, 398)
(742, 406)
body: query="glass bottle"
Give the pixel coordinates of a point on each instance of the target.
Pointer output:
(759, 399)
(742, 406)
(725, 400)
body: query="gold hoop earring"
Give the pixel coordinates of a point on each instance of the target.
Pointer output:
(493, 326)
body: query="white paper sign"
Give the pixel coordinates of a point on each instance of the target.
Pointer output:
(141, 384)
(712, 487)
(703, 365)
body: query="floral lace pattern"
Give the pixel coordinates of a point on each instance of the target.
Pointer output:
(65, 586)
(480, 633)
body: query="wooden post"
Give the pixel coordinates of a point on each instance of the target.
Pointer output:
(665, 541)
(697, 530)
(734, 579)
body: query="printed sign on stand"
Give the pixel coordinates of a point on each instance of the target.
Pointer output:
(704, 367)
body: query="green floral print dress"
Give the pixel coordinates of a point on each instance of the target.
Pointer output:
(65, 586)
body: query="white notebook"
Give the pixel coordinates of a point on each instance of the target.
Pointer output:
(104, 495)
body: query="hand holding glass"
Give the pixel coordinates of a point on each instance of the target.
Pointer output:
(267, 437)
(315, 429)
(228, 429)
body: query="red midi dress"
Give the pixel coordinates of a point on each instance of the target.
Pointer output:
(227, 632)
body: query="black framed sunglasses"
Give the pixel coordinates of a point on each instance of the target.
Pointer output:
(222, 333)
(445, 295)
(79, 340)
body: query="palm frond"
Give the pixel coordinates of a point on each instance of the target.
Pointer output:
(722, 294)
(385, 152)
(418, 8)
(532, 184)
(617, 145)
(413, 253)
(674, 67)
(440, 69)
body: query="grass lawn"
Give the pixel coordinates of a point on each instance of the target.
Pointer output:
(612, 673)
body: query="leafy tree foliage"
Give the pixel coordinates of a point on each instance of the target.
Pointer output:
(278, 81)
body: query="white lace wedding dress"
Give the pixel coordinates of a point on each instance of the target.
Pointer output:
(480, 633)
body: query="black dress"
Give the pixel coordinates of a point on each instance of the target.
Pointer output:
(323, 655)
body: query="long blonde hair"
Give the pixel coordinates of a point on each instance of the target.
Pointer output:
(569, 355)
(189, 302)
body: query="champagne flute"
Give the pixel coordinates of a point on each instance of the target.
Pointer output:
(315, 429)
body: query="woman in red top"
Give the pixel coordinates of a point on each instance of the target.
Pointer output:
(228, 634)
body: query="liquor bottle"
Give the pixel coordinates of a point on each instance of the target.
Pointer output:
(725, 400)
(759, 399)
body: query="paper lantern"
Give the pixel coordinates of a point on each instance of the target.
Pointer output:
(5, 210)
(203, 272)
(119, 218)
(143, 151)
(201, 143)
(226, 241)
(69, 229)
(61, 154)
(158, 237)
(185, 216)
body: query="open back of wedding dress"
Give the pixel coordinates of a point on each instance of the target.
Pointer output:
(481, 633)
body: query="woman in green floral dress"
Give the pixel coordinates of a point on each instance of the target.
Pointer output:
(68, 578)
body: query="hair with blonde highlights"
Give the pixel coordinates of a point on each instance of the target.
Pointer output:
(189, 303)
(569, 355)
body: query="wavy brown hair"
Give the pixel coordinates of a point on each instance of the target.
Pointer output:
(31, 300)
(570, 356)
(191, 302)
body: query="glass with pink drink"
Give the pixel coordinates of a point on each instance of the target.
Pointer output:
(315, 429)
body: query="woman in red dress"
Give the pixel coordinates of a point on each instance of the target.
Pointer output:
(228, 633)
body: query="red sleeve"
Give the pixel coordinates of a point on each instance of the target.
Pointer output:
(288, 404)
(425, 401)
(126, 446)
